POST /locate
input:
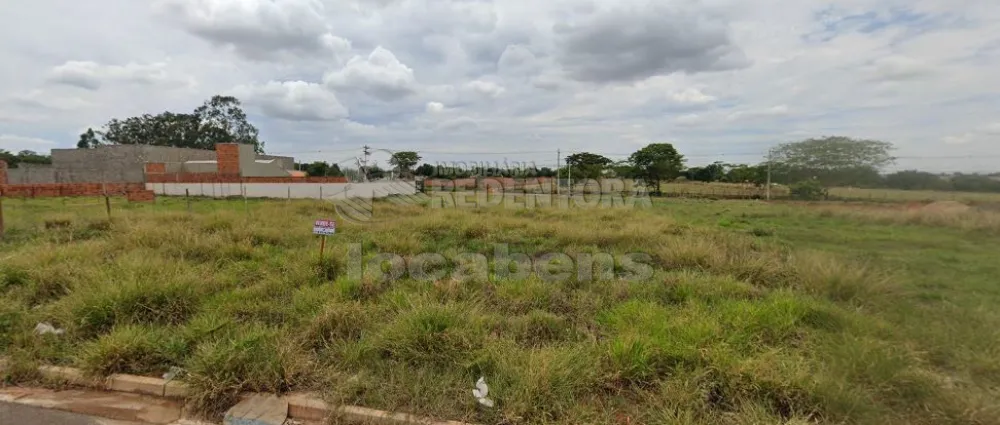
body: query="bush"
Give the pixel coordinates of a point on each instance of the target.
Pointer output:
(132, 349)
(809, 190)
(255, 358)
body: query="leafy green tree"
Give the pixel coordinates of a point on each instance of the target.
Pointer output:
(586, 165)
(832, 160)
(655, 163)
(709, 173)
(88, 139)
(916, 180)
(222, 120)
(545, 172)
(334, 171)
(743, 173)
(219, 120)
(426, 170)
(24, 157)
(808, 190)
(317, 169)
(404, 161)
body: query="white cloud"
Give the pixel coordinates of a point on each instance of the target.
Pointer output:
(486, 88)
(895, 68)
(380, 75)
(689, 120)
(434, 107)
(294, 101)
(691, 96)
(92, 75)
(774, 111)
(984, 134)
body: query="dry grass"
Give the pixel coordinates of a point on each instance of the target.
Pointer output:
(731, 326)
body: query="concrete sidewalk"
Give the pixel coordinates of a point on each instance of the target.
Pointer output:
(17, 414)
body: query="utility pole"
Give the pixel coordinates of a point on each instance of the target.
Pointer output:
(768, 190)
(364, 167)
(569, 172)
(558, 155)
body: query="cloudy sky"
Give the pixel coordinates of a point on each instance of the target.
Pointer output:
(519, 79)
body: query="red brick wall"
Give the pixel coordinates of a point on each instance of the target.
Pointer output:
(69, 189)
(223, 178)
(156, 168)
(228, 157)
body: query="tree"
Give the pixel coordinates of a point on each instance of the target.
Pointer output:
(218, 120)
(88, 139)
(320, 169)
(743, 173)
(404, 161)
(709, 173)
(586, 165)
(916, 180)
(223, 121)
(375, 172)
(832, 160)
(655, 163)
(426, 170)
(545, 172)
(317, 169)
(808, 190)
(24, 157)
(334, 171)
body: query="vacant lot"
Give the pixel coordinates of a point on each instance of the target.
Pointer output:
(752, 313)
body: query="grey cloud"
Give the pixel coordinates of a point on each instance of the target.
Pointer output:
(294, 101)
(626, 45)
(91, 75)
(258, 29)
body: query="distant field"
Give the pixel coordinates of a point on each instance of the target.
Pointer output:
(752, 312)
(912, 195)
(736, 191)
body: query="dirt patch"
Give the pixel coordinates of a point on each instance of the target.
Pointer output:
(949, 207)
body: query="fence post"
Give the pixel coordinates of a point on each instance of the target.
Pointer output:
(107, 201)
(187, 197)
(1, 217)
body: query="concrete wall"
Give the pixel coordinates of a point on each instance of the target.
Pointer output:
(285, 190)
(126, 164)
(118, 163)
(285, 162)
(249, 167)
(174, 158)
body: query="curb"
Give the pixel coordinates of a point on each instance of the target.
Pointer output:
(301, 406)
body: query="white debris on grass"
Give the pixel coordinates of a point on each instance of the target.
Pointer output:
(481, 391)
(46, 328)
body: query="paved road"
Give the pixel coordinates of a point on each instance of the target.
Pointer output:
(16, 414)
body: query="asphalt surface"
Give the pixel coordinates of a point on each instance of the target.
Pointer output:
(16, 414)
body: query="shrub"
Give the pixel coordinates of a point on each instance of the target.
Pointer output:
(132, 349)
(345, 321)
(96, 310)
(809, 190)
(430, 334)
(254, 359)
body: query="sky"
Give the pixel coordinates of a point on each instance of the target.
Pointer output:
(518, 80)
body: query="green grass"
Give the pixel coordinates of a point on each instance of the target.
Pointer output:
(753, 313)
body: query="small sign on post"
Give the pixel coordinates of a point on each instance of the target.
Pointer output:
(324, 228)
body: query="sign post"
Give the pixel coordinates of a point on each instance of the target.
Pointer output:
(324, 228)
